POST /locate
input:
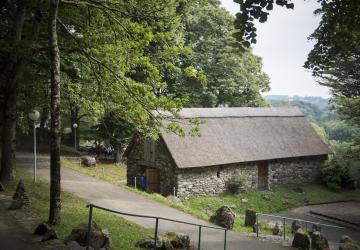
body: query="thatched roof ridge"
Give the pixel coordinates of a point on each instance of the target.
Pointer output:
(233, 135)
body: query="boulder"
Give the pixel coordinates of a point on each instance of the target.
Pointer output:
(244, 200)
(250, 218)
(88, 161)
(98, 238)
(173, 199)
(266, 197)
(223, 217)
(277, 229)
(20, 197)
(295, 225)
(318, 241)
(172, 240)
(346, 243)
(46, 232)
(2, 188)
(149, 243)
(301, 240)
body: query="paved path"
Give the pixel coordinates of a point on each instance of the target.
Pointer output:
(111, 196)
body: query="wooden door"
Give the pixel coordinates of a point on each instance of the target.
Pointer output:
(153, 180)
(262, 175)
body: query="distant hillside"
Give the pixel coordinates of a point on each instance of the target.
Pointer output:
(318, 101)
(315, 108)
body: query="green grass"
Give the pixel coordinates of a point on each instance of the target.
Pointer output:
(123, 233)
(109, 172)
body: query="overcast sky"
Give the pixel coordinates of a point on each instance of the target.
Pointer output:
(283, 45)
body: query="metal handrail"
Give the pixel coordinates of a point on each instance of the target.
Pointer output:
(292, 219)
(157, 218)
(306, 221)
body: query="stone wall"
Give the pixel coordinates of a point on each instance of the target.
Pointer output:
(136, 165)
(295, 170)
(211, 181)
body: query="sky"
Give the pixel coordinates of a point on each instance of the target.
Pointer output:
(283, 45)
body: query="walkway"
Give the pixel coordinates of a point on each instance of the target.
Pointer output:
(108, 195)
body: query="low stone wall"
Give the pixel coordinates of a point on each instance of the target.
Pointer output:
(211, 181)
(295, 170)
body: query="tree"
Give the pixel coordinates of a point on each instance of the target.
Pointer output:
(55, 180)
(220, 74)
(335, 58)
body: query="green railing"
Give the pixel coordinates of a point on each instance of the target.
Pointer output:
(284, 219)
(157, 219)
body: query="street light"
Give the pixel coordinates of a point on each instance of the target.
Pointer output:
(34, 115)
(75, 126)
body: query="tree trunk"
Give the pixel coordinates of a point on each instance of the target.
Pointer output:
(9, 77)
(55, 179)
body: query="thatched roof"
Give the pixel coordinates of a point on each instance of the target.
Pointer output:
(233, 135)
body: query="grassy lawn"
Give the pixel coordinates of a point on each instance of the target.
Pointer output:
(109, 172)
(123, 233)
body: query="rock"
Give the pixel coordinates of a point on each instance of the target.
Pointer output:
(244, 200)
(266, 197)
(318, 241)
(295, 225)
(46, 232)
(250, 218)
(301, 240)
(2, 188)
(88, 161)
(176, 240)
(256, 227)
(285, 201)
(149, 243)
(173, 199)
(98, 238)
(224, 217)
(348, 244)
(277, 229)
(20, 197)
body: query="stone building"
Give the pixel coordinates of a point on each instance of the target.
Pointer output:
(269, 146)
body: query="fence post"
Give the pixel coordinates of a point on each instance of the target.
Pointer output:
(257, 225)
(199, 243)
(225, 239)
(156, 231)
(284, 223)
(135, 182)
(89, 227)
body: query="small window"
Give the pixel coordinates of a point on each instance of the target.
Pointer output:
(218, 174)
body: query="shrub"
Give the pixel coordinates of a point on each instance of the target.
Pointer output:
(236, 184)
(335, 174)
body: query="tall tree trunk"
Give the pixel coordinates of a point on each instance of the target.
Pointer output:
(8, 81)
(55, 178)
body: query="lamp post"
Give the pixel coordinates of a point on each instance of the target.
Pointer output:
(75, 127)
(34, 115)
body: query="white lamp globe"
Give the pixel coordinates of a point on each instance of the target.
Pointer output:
(34, 115)
(75, 125)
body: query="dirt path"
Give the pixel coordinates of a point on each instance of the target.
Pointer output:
(105, 194)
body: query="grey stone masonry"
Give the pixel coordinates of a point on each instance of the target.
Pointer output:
(211, 181)
(295, 170)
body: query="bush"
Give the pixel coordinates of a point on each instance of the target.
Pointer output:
(335, 174)
(236, 184)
